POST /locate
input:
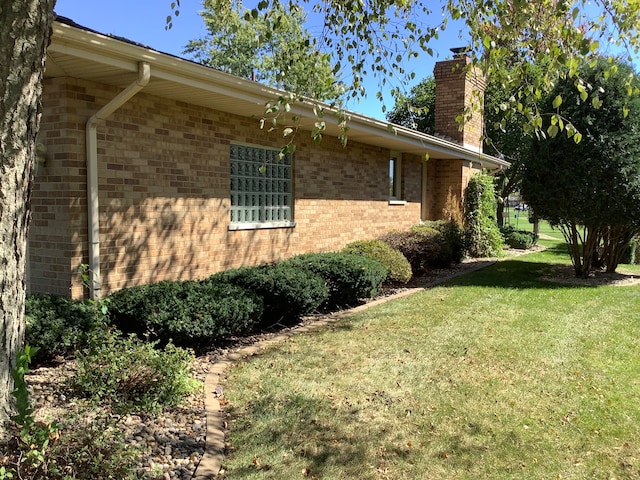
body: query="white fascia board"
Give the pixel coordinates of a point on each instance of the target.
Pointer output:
(120, 54)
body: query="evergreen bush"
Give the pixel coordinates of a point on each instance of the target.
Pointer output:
(397, 265)
(519, 239)
(188, 313)
(287, 292)
(482, 235)
(59, 326)
(350, 278)
(450, 239)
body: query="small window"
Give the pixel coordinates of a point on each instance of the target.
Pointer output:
(260, 188)
(395, 178)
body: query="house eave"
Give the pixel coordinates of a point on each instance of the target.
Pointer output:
(82, 53)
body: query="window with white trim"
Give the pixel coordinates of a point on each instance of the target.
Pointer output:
(395, 177)
(260, 187)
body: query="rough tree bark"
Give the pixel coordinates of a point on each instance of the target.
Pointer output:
(25, 27)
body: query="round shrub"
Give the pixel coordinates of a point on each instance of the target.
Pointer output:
(59, 326)
(518, 239)
(350, 278)
(397, 265)
(420, 246)
(287, 292)
(188, 313)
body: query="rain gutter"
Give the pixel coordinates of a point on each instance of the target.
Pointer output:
(144, 74)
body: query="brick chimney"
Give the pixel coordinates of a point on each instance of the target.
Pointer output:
(455, 87)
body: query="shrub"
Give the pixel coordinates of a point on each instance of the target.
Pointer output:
(451, 241)
(420, 246)
(188, 313)
(131, 375)
(397, 265)
(83, 445)
(631, 254)
(59, 326)
(482, 235)
(519, 239)
(86, 446)
(288, 292)
(350, 278)
(91, 447)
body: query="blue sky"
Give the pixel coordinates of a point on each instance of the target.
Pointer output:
(143, 21)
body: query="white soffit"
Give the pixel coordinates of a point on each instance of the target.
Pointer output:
(81, 53)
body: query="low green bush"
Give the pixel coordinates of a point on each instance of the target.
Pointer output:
(82, 445)
(131, 375)
(350, 278)
(188, 313)
(288, 292)
(421, 247)
(59, 326)
(519, 239)
(397, 265)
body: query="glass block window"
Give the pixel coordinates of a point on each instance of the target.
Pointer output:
(260, 185)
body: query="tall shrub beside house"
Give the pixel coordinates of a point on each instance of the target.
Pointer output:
(482, 234)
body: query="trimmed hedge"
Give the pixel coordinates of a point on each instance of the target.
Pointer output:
(287, 292)
(397, 265)
(188, 313)
(519, 239)
(350, 278)
(59, 326)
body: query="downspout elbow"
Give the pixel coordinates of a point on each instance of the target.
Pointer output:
(144, 75)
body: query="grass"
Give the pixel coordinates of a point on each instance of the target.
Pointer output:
(496, 375)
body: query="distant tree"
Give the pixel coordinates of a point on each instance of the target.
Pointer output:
(591, 189)
(417, 109)
(272, 48)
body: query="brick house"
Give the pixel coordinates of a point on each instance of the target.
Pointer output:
(155, 167)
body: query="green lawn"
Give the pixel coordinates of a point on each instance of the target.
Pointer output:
(496, 375)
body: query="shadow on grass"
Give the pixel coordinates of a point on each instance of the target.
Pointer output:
(517, 274)
(301, 437)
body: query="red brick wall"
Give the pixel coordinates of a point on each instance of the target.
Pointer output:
(164, 192)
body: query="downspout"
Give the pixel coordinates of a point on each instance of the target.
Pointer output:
(144, 74)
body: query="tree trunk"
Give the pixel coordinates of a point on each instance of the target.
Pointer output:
(25, 27)
(500, 212)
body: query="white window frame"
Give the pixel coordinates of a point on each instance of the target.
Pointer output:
(395, 179)
(261, 188)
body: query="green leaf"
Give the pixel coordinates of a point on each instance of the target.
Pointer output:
(557, 101)
(553, 130)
